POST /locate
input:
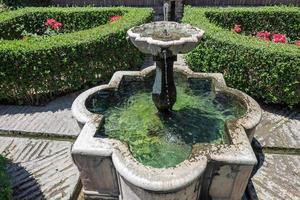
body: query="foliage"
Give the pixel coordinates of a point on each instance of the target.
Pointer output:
(268, 71)
(5, 185)
(51, 27)
(267, 36)
(90, 50)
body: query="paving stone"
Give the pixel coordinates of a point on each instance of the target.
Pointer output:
(277, 179)
(279, 128)
(40, 169)
(54, 119)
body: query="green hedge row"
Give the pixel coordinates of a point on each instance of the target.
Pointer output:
(14, 24)
(39, 68)
(267, 71)
(5, 185)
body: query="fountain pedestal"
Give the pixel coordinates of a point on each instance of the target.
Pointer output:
(164, 90)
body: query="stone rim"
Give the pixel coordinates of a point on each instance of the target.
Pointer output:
(184, 173)
(138, 38)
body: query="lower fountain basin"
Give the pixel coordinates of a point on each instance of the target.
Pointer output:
(216, 168)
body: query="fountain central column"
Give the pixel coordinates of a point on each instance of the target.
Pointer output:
(164, 90)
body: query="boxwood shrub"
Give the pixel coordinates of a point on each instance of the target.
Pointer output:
(89, 50)
(265, 70)
(5, 184)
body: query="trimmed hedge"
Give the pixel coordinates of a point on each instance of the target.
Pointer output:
(37, 69)
(5, 185)
(12, 25)
(267, 71)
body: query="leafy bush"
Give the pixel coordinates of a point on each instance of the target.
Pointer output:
(5, 185)
(90, 51)
(267, 71)
(30, 20)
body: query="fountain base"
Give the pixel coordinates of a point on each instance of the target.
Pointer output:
(108, 169)
(164, 90)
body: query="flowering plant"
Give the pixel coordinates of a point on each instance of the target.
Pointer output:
(263, 35)
(52, 27)
(237, 29)
(279, 38)
(114, 18)
(267, 36)
(53, 24)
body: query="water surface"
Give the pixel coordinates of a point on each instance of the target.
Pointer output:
(160, 140)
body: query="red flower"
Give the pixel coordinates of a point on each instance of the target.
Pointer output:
(53, 24)
(297, 43)
(263, 34)
(114, 18)
(279, 38)
(50, 22)
(237, 29)
(56, 25)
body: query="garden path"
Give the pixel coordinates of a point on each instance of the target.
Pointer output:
(38, 141)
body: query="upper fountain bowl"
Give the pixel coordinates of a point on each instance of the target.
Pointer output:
(153, 38)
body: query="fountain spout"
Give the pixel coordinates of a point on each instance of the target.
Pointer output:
(166, 11)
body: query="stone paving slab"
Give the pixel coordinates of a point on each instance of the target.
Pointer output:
(54, 119)
(279, 128)
(278, 178)
(40, 169)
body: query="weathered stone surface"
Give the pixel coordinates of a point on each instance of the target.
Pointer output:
(40, 169)
(279, 128)
(54, 119)
(278, 178)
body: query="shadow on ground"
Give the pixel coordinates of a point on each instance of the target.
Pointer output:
(60, 103)
(250, 193)
(24, 185)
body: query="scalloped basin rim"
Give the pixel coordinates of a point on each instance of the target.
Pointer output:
(150, 45)
(167, 179)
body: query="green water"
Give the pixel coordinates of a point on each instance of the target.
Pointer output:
(161, 35)
(164, 141)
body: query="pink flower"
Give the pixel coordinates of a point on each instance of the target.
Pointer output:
(297, 43)
(237, 29)
(263, 34)
(53, 24)
(279, 38)
(56, 25)
(115, 18)
(50, 22)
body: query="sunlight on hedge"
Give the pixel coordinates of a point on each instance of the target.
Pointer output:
(265, 70)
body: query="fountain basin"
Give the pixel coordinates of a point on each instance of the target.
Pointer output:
(213, 171)
(153, 38)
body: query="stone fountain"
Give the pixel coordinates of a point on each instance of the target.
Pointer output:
(193, 144)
